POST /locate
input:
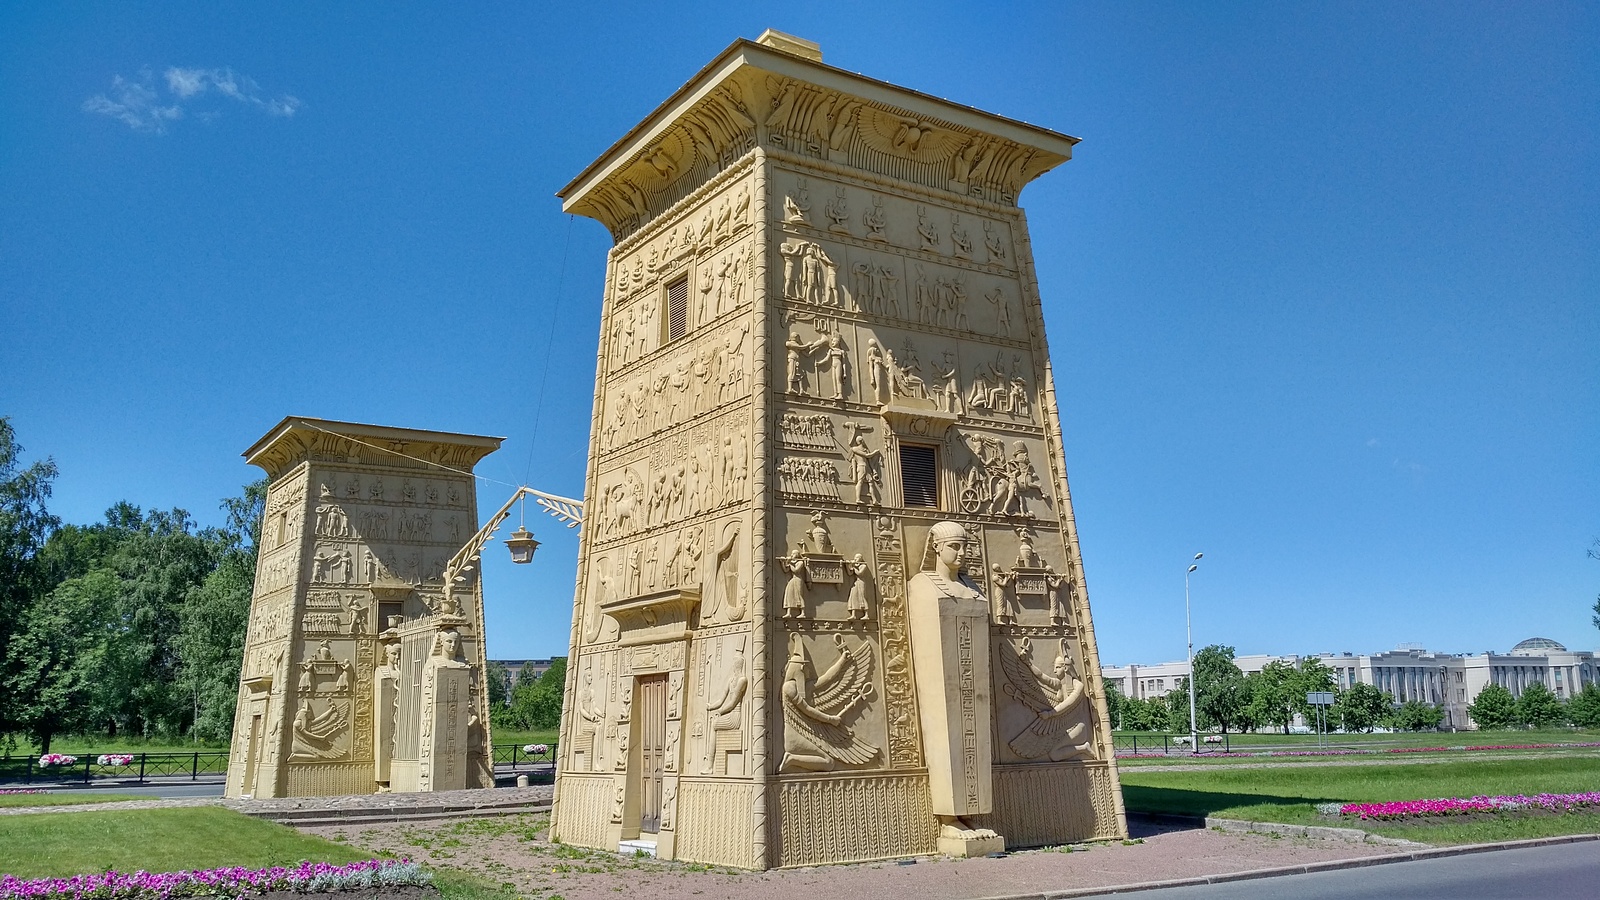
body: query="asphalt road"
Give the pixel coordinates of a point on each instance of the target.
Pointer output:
(1552, 872)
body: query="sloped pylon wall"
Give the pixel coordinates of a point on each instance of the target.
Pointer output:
(358, 675)
(821, 338)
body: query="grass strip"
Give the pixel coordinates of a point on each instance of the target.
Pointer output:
(72, 798)
(1290, 795)
(59, 845)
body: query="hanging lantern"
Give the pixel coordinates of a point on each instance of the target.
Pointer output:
(521, 544)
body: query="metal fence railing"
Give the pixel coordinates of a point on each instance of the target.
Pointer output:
(139, 767)
(518, 755)
(1168, 744)
(87, 768)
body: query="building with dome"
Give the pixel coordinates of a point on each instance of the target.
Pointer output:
(1450, 681)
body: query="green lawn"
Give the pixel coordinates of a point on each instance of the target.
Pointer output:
(507, 736)
(43, 845)
(79, 744)
(64, 798)
(1251, 742)
(156, 840)
(1290, 795)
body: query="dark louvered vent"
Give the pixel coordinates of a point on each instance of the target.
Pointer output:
(919, 476)
(678, 308)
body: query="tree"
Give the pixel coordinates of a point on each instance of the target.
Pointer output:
(1584, 707)
(25, 526)
(536, 700)
(1539, 707)
(1415, 715)
(1312, 676)
(57, 657)
(1220, 692)
(213, 619)
(1272, 694)
(499, 684)
(1494, 708)
(1362, 707)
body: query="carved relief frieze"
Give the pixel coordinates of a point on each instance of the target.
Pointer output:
(708, 372)
(818, 703)
(905, 745)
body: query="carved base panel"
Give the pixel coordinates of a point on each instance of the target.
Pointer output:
(583, 815)
(716, 822)
(854, 819)
(330, 780)
(1041, 805)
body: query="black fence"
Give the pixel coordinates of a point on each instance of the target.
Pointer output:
(87, 768)
(520, 755)
(1168, 744)
(139, 767)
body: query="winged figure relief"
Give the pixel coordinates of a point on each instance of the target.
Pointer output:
(1060, 726)
(912, 138)
(814, 736)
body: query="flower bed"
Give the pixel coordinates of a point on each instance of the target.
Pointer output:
(1448, 806)
(23, 791)
(306, 878)
(115, 759)
(57, 759)
(536, 749)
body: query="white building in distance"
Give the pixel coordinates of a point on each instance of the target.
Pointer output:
(1450, 681)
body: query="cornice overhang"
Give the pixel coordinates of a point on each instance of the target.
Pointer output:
(300, 438)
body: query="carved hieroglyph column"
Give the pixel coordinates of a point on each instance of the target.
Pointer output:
(355, 676)
(821, 336)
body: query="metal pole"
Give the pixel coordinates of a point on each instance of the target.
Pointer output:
(1188, 627)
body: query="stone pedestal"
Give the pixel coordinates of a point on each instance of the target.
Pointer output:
(446, 712)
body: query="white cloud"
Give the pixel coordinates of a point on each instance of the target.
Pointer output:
(135, 104)
(140, 104)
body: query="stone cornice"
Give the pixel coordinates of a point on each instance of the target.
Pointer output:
(753, 95)
(299, 439)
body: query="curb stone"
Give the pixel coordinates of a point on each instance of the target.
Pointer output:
(1301, 869)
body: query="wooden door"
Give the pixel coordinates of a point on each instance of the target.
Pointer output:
(651, 702)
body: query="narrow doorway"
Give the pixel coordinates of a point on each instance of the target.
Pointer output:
(652, 706)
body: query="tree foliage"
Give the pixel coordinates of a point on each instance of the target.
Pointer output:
(1584, 707)
(1362, 707)
(1539, 707)
(535, 700)
(25, 526)
(132, 624)
(1221, 695)
(1415, 715)
(1494, 708)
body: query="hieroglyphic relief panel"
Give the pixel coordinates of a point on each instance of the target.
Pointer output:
(1035, 806)
(853, 819)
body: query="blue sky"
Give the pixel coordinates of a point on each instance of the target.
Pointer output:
(1322, 283)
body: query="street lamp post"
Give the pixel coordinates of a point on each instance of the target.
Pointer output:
(1188, 627)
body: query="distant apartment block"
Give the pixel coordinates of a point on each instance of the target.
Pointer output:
(1450, 681)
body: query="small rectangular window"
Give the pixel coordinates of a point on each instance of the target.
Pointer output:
(919, 476)
(678, 308)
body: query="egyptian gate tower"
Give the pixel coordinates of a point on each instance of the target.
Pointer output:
(830, 604)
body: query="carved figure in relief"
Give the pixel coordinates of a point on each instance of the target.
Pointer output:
(994, 483)
(1060, 726)
(814, 737)
(1056, 587)
(878, 372)
(858, 607)
(798, 350)
(949, 624)
(727, 590)
(794, 591)
(838, 210)
(375, 490)
(907, 380)
(926, 231)
(797, 206)
(960, 243)
(994, 390)
(837, 361)
(1005, 599)
(689, 559)
(408, 491)
(864, 473)
(950, 385)
(993, 243)
(726, 713)
(315, 733)
(741, 205)
(1027, 557)
(352, 488)
(1002, 311)
(875, 219)
(818, 536)
(958, 303)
